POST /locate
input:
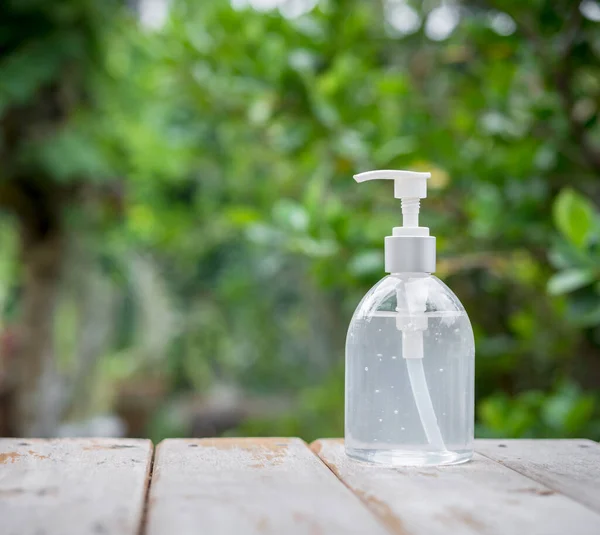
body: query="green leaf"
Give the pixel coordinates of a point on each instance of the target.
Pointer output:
(366, 263)
(569, 280)
(392, 148)
(290, 214)
(588, 317)
(565, 255)
(30, 67)
(580, 414)
(573, 216)
(72, 153)
(492, 412)
(312, 248)
(568, 410)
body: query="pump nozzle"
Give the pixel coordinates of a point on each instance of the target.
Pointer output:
(407, 184)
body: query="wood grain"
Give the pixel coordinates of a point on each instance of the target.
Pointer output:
(251, 486)
(481, 497)
(73, 486)
(571, 467)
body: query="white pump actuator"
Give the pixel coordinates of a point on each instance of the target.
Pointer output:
(410, 248)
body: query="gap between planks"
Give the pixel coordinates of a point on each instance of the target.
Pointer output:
(144, 516)
(254, 486)
(482, 496)
(568, 466)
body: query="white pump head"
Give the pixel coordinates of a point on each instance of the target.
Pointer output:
(406, 183)
(409, 186)
(410, 248)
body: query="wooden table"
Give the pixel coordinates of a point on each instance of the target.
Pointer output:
(283, 486)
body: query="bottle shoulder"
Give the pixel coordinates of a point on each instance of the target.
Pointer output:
(410, 293)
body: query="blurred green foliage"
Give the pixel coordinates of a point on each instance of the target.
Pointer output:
(237, 245)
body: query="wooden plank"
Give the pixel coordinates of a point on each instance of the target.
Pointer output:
(250, 486)
(571, 467)
(481, 496)
(73, 486)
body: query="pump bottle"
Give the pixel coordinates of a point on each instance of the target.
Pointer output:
(409, 352)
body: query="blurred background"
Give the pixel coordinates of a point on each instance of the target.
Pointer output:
(181, 241)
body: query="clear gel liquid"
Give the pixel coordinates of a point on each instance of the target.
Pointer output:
(382, 420)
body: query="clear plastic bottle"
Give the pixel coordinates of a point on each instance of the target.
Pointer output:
(410, 353)
(407, 409)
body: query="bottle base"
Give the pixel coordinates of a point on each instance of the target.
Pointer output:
(403, 457)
